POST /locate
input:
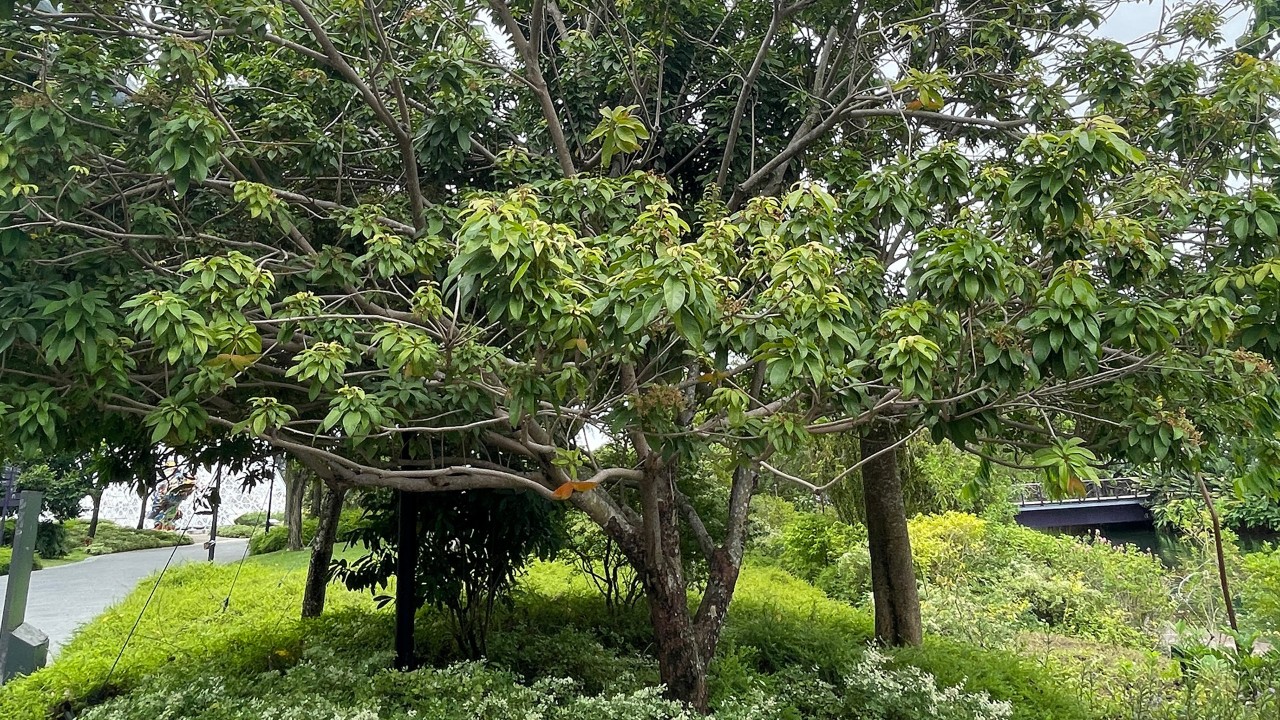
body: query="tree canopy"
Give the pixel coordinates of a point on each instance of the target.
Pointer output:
(455, 245)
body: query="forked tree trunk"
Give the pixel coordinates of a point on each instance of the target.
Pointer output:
(680, 661)
(893, 576)
(685, 642)
(322, 552)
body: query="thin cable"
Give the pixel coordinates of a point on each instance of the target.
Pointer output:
(145, 605)
(240, 566)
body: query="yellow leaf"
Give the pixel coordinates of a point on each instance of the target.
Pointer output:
(239, 362)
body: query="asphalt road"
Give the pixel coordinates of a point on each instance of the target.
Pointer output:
(65, 597)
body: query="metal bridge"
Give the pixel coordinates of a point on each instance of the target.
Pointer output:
(1112, 501)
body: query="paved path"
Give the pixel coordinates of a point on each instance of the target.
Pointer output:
(65, 597)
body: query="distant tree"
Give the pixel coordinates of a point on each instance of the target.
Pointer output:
(64, 485)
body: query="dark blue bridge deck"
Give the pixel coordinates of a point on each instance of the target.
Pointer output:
(1114, 501)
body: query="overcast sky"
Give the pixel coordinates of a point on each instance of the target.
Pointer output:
(1134, 19)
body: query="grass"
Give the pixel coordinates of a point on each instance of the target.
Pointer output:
(237, 620)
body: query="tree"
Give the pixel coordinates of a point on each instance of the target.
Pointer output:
(63, 479)
(416, 253)
(295, 489)
(471, 547)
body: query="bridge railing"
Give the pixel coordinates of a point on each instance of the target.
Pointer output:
(1105, 489)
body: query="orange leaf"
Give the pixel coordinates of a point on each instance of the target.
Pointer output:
(1075, 488)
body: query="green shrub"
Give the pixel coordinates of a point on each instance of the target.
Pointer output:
(811, 543)
(277, 538)
(258, 518)
(239, 531)
(112, 538)
(984, 581)
(1035, 690)
(1260, 594)
(52, 539)
(6, 555)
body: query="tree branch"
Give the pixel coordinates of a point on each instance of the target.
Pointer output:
(529, 54)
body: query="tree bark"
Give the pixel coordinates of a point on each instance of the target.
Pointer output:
(682, 663)
(893, 577)
(97, 511)
(294, 491)
(317, 492)
(1223, 583)
(142, 514)
(406, 578)
(322, 552)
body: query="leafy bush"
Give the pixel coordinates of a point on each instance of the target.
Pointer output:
(64, 485)
(112, 538)
(601, 561)
(6, 555)
(52, 539)
(1260, 595)
(789, 652)
(258, 518)
(239, 531)
(985, 581)
(277, 538)
(471, 548)
(811, 543)
(1251, 512)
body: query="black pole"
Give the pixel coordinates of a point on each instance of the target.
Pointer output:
(406, 578)
(271, 490)
(215, 499)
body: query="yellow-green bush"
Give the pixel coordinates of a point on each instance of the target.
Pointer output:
(6, 555)
(185, 623)
(788, 651)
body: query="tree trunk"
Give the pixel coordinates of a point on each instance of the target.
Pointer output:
(1223, 583)
(681, 661)
(97, 510)
(142, 514)
(893, 577)
(322, 552)
(295, 490)
(406, 578)
(317, 491)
